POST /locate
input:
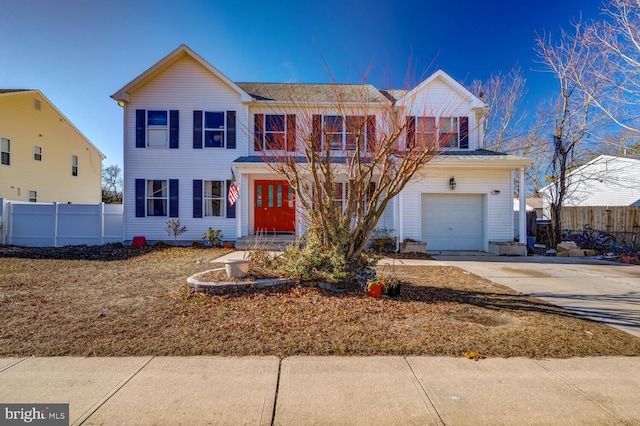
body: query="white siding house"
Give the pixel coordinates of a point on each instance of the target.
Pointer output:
(187, 127)
(606, 180)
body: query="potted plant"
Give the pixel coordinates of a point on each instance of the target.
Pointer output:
(391, 286)
(374, 287)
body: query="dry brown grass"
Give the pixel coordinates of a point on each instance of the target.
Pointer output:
(140, 306)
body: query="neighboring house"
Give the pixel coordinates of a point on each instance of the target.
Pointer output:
(43, 157)
(187, 126)
(606, 180)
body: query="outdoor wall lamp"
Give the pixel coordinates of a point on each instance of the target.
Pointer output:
(496, 192)
(452, 183)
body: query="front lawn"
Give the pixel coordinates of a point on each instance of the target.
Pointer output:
(97, 302)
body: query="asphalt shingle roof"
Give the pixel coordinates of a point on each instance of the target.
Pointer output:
(312, 92)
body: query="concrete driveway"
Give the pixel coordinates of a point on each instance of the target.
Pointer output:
(607, 292)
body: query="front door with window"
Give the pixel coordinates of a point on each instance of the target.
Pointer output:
(274, 206)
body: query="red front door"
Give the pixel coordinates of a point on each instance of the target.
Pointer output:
(274, 206)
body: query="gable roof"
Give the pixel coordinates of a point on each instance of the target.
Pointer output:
(312, 92)
(2, 91)
(440, 74)
(605, 180)
(164, 63)
(14, 92)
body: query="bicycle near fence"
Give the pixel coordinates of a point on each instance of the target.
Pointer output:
(604, 242)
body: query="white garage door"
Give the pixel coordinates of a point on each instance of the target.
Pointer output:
(453, 222)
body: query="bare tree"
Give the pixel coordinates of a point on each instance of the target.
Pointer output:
(503, 94)
(347, 161)
(613, 49)
(112, 184)
(573, 118)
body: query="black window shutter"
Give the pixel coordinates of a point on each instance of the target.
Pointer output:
(411, 132)
(174, 129)
(231, 130)
(197, 129)
(316, 137)
(291, 132)
(173, 197)
(231, 209)
(464, 132)
(140, 128)
(258, 130)
(140, 197)
(197, 198)
(371, 133)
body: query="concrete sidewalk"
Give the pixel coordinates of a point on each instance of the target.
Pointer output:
(329, 390)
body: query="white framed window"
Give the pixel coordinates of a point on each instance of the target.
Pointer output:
(345, 133)
(445, 132)
(5, 152)
(157, 129)
(37, 153)
(214, 199)
(33, 196)
(449, 132)
(157, 197)
(74, 165)
(340, 193)
(426, 131)
(274, 131)
(214, 129)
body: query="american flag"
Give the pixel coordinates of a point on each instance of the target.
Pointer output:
(234, 191)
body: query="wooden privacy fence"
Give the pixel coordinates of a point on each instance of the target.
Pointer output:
(603, 218)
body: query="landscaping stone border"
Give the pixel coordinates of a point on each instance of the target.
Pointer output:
(212, 286)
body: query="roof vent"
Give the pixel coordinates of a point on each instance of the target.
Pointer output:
(36, 104)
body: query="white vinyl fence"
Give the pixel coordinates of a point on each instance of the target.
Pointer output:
(55, 225)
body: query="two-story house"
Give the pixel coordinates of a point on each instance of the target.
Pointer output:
(43, 156)
(188, 127)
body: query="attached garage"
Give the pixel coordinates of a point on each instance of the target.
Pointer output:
(453, 221)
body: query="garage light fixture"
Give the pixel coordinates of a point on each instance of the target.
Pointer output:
(452, 183)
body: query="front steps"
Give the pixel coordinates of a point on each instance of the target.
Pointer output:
(272, 242)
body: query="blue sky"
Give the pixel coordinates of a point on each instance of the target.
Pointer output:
(79, 52)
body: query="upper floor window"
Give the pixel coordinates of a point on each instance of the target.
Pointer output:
(275, 132)
(33, 196)
(449, 132)
(37, 153)
(214, 129)
(74, 165)
(5, 152)
(444, 132)
(345, 132)
(157, 129)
